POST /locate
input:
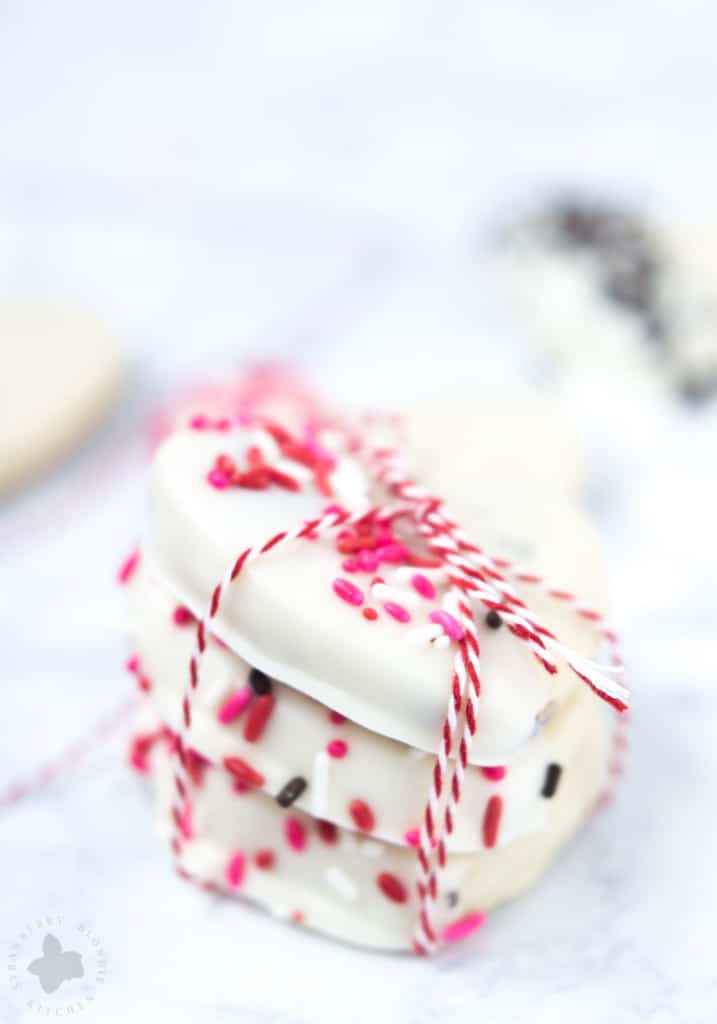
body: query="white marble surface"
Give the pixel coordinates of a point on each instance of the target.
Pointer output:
(310, 181)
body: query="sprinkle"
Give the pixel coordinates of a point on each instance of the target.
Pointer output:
(140, 751)
(451, 626)
(350, 565)
(494, 772)
(342, 883)
(347, 591)
(392, 887)
(196, 765)
(265, 859)
(392, 553)
(337, 748)
(295, 834)
(127, 569)
(460, 929)
(235, 705)
(259, 682)
(132, 664)
(234, 871)
(371, 614)
(296, 916)
(552, 780)
(243, 771)
(328, 833)
(218, 479)
(144, 683)
(199, 422)
(319, 784)
(423, 585)
(368, 560)
(257, 718)
(397, 611)
(491, 821)
(493, 619)
(291, 791)
(181, 616)
(362, 815)
(335, 716)
(411, 837)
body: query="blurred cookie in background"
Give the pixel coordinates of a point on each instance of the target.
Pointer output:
(605, 286)
(61, 374)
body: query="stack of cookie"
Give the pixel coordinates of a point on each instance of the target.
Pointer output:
(295, 696)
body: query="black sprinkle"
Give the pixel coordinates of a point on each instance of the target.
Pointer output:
(291, 791)
(493, 619)
(259, 682)
(552, 780)
(452, 899)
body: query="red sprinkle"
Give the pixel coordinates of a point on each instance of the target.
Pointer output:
(127, 569)
(258, 716)
(392, 887)
(297, 917)
(491, 821)
(243, 771)
(397, 611)
(235, 705)
(328, 833)
(182, 616)
(412, 837)
(144, 683)
(295, 834)
(336, 717)
(371, 614)
(494, 772)
(423, 586)
(362, 815)
(265, 859)
(338, 748)
(234, 871)
(348, 591)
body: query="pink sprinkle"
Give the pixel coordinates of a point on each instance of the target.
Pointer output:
(334, 510)
(182, 616)
(338, 748)
(350, 565)
(223, 424)
(199, 422)
(398, 612)
(126, 570)
(336, 717)
(451, 626)
(218, 479)
(494, 772)
(411, 837)
(234, 871)
(132, 664)
(295, 834)
(368, 560)
(466, 925)
(347, 591)
(423, 585)
(234, 705)
(392, 552)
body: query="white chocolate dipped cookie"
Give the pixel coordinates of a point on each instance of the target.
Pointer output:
(381, 670)
(61, 374)
(310, 757)
(347, 884)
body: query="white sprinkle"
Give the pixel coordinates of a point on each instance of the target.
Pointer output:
(320, 784)
(382, 592)
(424, 634)
(342, 883)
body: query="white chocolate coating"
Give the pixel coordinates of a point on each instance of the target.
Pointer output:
(334, 886)
(391, 777)
(371, 672)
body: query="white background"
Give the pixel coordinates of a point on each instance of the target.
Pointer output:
(229, 180)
